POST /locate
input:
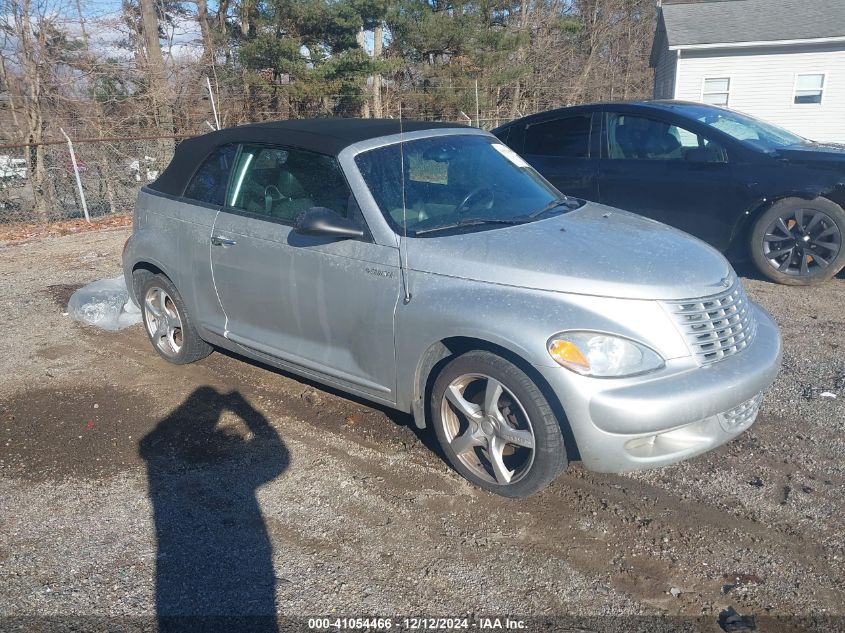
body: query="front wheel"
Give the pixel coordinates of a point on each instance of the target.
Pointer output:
(799, 242)
(496, 426)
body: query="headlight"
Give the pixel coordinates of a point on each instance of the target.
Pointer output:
(602, 355)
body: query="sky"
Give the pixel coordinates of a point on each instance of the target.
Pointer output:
(106, 30)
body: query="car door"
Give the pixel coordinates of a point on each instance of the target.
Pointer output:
(668, 172)
(188, 222)
(323, 305)
(562, 150)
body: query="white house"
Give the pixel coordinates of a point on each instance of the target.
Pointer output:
(780, 60)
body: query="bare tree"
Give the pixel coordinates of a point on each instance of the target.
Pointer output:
(29, 85)
(157, 72)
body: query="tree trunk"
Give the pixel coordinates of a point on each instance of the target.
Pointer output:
(205, 30)
(220, 25)
(365, 104)
(247, 15)
(31, 51)
(157, 75)
(222, 10)
(378, 45)
(516, 98)
(13, 89)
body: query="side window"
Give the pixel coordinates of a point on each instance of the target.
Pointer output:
(281, 183)
(568, 138)
(209, 183)
(639, 138)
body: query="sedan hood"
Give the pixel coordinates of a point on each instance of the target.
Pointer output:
(814, 152)
(594, 250)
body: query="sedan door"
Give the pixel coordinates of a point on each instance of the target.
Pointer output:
(313, 303)
(563, 150)
(669, 173)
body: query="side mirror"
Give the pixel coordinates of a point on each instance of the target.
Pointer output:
(323, 221)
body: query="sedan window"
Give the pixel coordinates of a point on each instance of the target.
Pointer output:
(281, 183)
(742, 127)
(568, 137)
(209, 183)
(640, 138)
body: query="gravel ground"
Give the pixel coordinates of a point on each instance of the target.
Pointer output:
(130, 487)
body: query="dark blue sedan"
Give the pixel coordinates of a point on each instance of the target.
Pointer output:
(749, 188)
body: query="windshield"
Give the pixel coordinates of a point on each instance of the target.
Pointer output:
(454, 182)
(760, 134)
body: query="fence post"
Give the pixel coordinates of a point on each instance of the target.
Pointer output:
(477, 115)
(213, 105)
(76, 173)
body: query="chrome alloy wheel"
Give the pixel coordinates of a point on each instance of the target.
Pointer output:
(488, 429)
(163, 322)
(802, 242)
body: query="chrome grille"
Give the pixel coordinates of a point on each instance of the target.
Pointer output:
(742, 416)
(717, 326)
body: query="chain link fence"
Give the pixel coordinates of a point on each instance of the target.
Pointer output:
(112, 170)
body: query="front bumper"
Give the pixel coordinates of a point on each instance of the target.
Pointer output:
(671, 415)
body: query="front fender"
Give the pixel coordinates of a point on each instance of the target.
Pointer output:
(518, 320)
(819, 186)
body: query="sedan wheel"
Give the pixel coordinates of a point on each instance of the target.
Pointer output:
(495, 426)
(799, 242)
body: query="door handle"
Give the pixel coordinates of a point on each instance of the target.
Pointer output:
(216, 240)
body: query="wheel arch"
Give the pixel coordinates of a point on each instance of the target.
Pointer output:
(745, 223)
(148, 266)
(438, 354)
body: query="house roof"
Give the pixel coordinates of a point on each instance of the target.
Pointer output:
(702, 22)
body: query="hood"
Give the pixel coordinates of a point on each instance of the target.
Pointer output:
(594, 250)
(812, 152)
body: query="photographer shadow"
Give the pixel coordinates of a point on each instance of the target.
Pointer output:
(214, 562)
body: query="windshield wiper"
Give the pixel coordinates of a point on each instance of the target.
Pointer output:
(468, 222)
(554, 204)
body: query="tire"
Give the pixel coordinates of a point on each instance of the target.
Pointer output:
(167, 321)
(812, 248)
(521, 417)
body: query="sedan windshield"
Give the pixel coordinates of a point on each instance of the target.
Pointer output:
(760, 134)
(456, 183)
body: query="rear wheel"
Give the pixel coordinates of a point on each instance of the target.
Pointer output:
(167, 322)
(799, 242)
(496, 426)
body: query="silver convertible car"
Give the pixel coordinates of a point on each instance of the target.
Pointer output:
(427, 267)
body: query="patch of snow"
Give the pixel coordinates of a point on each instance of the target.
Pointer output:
(104, 304)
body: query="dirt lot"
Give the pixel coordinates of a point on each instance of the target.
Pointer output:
(126, 482)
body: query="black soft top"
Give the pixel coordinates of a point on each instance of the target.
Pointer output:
(325, 136)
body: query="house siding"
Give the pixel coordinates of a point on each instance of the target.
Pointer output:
(763, 82)
(664, 75)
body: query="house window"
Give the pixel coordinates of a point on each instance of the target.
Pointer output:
(716, 91)
(809, 88)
